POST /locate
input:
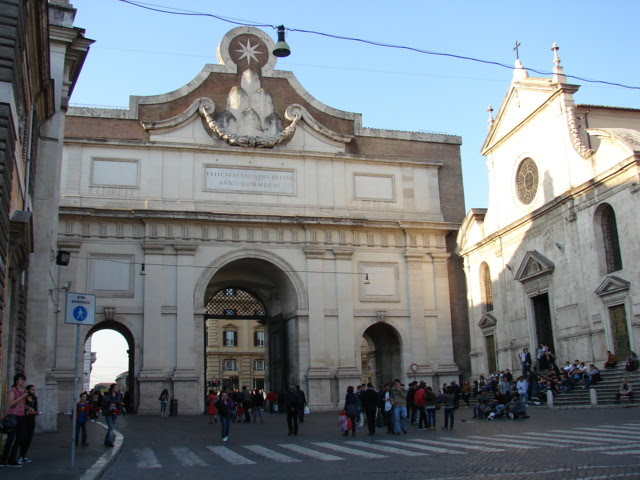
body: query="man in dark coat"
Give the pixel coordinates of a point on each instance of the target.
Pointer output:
(303, 402)
(369, 399)
(292, 404)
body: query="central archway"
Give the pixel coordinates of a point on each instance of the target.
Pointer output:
(251, 327)
(381, 354)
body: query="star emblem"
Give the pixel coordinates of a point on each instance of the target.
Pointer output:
(249, 52)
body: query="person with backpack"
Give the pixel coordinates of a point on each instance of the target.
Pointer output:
(420, 402)
(449, 408)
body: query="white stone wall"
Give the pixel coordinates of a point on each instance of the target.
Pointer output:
(559, 224)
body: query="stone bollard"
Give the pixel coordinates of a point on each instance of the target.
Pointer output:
(594, 397)
(549, 399)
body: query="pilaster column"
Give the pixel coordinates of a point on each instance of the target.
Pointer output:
(421, 345)
(348, 372)
(185, 377)
(153, 285)
(318, 374)
(445, 338)
(185, 333)
(344, 302)
(315, 292)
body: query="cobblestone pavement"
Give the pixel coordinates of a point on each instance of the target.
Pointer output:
(567, 444)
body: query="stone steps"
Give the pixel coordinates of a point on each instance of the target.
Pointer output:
(606, 389)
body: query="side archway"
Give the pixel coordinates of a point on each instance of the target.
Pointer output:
(123, 330)
(383, 353)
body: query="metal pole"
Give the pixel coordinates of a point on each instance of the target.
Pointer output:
(74, 396)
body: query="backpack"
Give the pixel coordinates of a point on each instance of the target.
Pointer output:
(419, 398)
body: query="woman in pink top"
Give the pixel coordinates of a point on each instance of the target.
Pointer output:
(17, 397)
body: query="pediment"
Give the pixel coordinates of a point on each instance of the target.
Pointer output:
(534, 265)
(523, 99)
(487, 320)
(612, 284)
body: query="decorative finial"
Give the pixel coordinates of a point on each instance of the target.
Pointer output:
(490, 110)
(558, 71)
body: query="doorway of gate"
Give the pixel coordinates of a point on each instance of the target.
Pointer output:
(380, 353)
(249, 337)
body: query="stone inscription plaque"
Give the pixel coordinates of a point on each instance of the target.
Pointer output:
(248, 180)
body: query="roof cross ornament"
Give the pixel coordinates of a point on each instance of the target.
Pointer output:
(515, 48)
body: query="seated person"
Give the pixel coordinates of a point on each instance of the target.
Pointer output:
(612, 360)
(499, 402)
(517, 408)
(565, 384)
(591, 376)
(632, 363)
(625, 391)
(508, 375)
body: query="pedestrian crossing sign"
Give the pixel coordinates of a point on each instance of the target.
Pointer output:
(81, 309)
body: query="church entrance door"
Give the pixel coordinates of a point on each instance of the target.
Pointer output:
(619, 331)
(544, 327)
(491, 353)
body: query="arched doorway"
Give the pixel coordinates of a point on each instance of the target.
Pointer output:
(130, 381)
(251, 329)
(381, 350)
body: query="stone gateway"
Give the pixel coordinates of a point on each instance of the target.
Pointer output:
(238, 232)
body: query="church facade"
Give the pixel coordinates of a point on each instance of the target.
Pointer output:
(552, 260)
(239, 230)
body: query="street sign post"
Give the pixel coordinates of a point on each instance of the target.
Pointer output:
(80, 310)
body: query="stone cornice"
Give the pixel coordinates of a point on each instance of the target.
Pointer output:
(153, 248)
(343, 254)
(414, 256)
(70, 245)
(217, 149)
(185, 248)
(315, 253)
(150, 216)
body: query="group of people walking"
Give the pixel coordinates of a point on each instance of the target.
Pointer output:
(246, 406)
(394, 406)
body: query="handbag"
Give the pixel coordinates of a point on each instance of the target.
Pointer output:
(9, 422)
(306, 410)
(343, 422)
(380, 419)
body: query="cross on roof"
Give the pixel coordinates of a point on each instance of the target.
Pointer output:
(516, 50)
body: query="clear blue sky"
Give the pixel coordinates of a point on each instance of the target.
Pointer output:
(139, 52)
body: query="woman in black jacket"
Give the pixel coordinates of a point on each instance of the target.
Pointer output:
(351, 409)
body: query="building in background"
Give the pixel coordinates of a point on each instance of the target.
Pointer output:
(41, 58)
(235, 339)
(553, 259)
(239, 229)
